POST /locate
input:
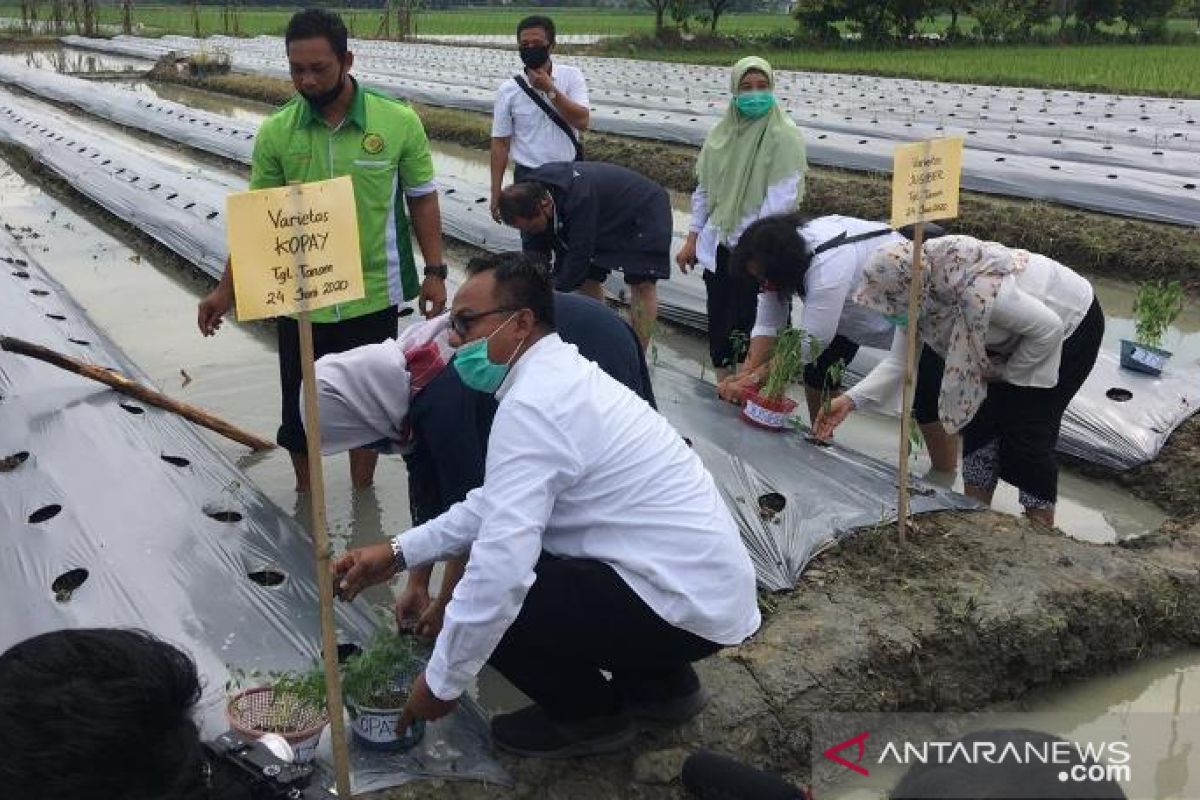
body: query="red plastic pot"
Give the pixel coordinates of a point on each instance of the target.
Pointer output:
(770, 415)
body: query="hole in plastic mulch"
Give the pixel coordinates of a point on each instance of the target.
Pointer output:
(223, 514)
(268, 577)
(22, 274)
(347, 649)
(771, 503)
(406, 311)
(57, 317)
(39, 293)
(132, 409)
(11, 462)
(66, 584)
(1119, 395)
(176, 461)
(45, 513)
(84, 342)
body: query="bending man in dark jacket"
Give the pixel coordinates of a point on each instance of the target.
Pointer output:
(595, 218)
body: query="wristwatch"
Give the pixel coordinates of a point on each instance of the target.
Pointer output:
(552, 95)
(437, 271)
(398, 555)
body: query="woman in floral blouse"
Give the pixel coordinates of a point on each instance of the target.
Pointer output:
(1019, 333)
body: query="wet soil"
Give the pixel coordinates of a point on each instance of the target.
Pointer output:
(1098, 244)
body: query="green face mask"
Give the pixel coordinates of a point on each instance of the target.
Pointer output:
(476, 370)
(753, 105)
(899, 320)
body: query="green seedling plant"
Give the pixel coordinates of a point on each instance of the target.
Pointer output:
(1155, 307)
(739, 343)
(833, 378)
(916, 441)
(787, 360)
(372, 678)
(293, 692)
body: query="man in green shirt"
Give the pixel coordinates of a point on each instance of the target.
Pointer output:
(335, 127)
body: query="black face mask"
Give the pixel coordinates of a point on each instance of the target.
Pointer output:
(319, 101)
(534, 57)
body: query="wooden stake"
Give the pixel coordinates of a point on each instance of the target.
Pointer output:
(135, 390)
(320, 536)
(910, 360)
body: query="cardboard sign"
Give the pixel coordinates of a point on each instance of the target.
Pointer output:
(925, 181)
(294, 248)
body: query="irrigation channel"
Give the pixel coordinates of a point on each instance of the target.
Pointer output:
(145, 302)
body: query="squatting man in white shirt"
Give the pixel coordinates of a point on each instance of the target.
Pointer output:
(598, 541)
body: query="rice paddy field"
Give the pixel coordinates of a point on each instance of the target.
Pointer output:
(1127, 68)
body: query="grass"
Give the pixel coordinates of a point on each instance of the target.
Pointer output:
(1138, 69)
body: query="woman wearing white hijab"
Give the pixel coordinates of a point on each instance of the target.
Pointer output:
(752, 165)
(1019, 333)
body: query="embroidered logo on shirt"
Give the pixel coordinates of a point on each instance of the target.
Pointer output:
(373, 143)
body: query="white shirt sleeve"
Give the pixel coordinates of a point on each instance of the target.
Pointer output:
(824, 301)
(699, 209)
(530, 461)
(772, 315)
(883, 383)
(1035, 360)
(502, 112)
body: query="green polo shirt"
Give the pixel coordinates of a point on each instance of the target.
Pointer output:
(382, 146)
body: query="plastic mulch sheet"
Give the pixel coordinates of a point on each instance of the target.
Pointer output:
(117, 514)
(1127, 155)
(184, 209)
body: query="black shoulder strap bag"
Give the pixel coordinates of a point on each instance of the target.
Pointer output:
(554, 116)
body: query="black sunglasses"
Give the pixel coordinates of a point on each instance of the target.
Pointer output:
(461, 323)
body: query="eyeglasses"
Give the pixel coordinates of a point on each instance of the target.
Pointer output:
(461, 323)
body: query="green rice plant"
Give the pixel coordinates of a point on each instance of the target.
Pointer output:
(787, 361)
(377, 677)
(916, 440)
(739, 343)
(1155, 307)
(833, 378)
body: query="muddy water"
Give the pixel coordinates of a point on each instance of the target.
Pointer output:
(70, 60)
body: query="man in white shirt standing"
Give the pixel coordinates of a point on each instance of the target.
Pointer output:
(598, 541)
(524, 131)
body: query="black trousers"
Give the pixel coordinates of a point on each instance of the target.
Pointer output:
(580, 617)
(328, 337)
(929, 375)
(1013, 435)
(732, 306)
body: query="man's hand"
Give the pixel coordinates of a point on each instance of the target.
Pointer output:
(827, 421)
(686, 257)
(214, 306)
(423, 704)
(495, 208)
(411, 606)
(540, 78)
(364, 567)
(432, 299)
(734, 388)
(430, 623)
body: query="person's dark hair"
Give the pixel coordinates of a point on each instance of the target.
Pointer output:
(775, 245)
(521, 200)
(521, 282)
(314, 23)
(537, 21)
(94, 713)
(983, 781)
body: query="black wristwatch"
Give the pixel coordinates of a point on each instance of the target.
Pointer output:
(437, 271)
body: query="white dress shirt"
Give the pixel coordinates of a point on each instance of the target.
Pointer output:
(829, 285)
(1035, 311)
(536, 140)
(782, 197)
(581, 467)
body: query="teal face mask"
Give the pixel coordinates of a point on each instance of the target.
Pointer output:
(476, 370)
(899, 320)
(754, 104)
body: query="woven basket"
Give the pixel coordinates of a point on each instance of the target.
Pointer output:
(255, 712)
